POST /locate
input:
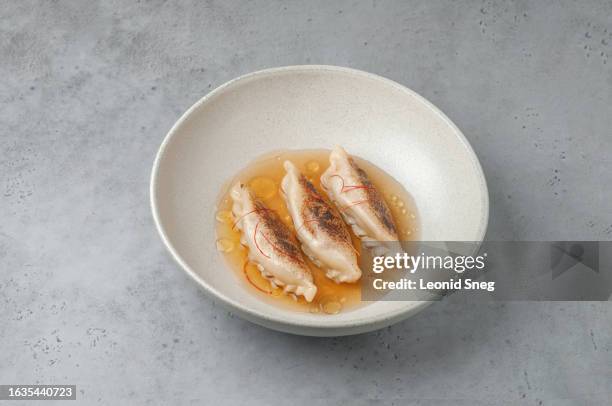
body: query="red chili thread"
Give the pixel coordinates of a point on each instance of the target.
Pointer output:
(353, 248)
(246, 214)
(255, 240)
(353, 204)
(304, 223)
(348, 188)
(269, 292)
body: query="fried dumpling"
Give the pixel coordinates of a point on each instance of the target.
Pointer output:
(358, 200)
(272, 245)
(319, 227)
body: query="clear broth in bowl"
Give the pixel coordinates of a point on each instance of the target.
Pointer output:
(264, 176)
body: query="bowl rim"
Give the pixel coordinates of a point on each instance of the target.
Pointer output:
(411, 308)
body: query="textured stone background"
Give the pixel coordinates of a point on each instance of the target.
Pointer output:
(89, 295)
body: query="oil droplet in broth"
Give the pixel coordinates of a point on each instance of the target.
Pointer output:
(314, 308)
(264, 188)
(331, 307)
(225, 245)
(312, 166)
(224, 216)
(256, 279)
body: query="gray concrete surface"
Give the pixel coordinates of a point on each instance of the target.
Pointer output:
(89, 295)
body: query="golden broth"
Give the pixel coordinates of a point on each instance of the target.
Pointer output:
(264, 176)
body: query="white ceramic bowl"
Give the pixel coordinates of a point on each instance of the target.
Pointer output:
(301, 107)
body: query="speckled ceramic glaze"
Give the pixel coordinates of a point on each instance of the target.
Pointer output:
(302, 107)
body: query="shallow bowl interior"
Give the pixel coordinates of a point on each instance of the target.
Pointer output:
(311, 107)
